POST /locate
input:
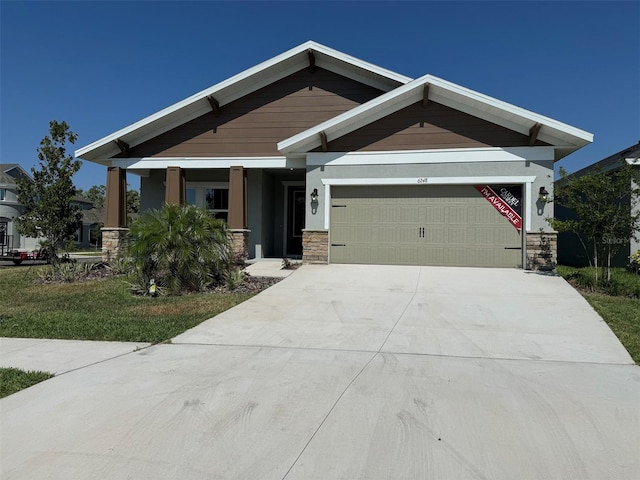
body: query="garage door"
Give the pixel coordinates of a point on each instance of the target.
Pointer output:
(420, 225)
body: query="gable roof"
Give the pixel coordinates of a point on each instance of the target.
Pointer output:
(631, 155)
(564, 137)
(7, 179)
(238, 86)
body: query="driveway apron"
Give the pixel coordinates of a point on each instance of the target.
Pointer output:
(351, 372)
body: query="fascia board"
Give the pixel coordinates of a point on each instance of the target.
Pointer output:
(328, 58)
(22, 171)
(497, 109)
(180, 107)
(451, 95)
(271, 70)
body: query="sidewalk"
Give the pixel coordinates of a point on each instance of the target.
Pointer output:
(59, 356)
(268, 267)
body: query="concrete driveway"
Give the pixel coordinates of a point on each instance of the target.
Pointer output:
(351, 372)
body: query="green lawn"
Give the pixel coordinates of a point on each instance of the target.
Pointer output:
(13, 380)
(99, 309)
(623, 317)
(618, 304)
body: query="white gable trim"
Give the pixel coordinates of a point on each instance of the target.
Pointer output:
(565, 137)
(238, 86)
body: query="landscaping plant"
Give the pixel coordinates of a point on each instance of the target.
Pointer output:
(181, 248)
(634, 263)
(605, 212)
(49, 212)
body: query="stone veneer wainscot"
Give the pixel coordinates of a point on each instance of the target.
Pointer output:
(542, 250)
(315, 246)
(239, 239)
(114, 241)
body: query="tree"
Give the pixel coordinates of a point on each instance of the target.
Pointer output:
(133, 203)
(49, 211)
(604, 205)
(96, 194)
(180, 247)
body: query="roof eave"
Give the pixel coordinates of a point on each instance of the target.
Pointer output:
(565, 137)
(238, 86)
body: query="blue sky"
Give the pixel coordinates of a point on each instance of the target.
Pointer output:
(101, 66)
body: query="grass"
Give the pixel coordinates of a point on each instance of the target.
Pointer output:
(623, 317)
(618, 303)
(13, 380)
(99, 309)
(623, 283)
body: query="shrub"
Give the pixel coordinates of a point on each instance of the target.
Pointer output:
(181, 247)
(121, 265)
(634, 263)
(622, 283)
(65, 272)
(234, 277)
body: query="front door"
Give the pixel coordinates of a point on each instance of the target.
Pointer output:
(295, 219)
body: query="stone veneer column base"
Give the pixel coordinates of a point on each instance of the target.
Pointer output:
(542, 250)
(239, 239)
(315, 246)
(114, 241)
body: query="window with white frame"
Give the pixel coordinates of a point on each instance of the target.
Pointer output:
(3, 194)
(212, 196)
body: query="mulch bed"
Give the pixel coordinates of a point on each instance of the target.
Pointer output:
(101, 271)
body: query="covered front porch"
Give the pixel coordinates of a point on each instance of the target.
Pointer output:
(264, 207)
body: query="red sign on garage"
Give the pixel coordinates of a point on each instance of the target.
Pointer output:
(507, 203)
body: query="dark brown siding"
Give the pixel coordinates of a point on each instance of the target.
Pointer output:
(419, 128)
(253, 125)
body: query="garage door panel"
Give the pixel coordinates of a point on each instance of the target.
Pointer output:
(420, 225)
(434, 235)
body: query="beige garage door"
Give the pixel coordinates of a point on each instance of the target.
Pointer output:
(420, 225)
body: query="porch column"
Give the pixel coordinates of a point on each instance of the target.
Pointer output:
(115, 231)
(237, 218)
(176, 186)
(237, 198)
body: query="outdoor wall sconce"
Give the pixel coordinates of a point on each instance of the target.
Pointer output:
(543, 199)
(314, 196)
(543, 195)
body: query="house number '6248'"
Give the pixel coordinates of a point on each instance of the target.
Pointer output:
(422, 180)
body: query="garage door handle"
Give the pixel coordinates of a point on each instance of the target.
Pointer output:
(337, 206)
(338, 244)
(513, 248)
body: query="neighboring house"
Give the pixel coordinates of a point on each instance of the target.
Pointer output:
(317, 154)
(10, 209)
(92, 220)
(570, 249)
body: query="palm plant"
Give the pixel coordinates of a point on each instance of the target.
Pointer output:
(181, 247)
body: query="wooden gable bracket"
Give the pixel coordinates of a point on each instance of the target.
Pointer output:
(533, 133)
(425, 95)
(215, 105)
(323, 141)
(312, 60)
(123, 146)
